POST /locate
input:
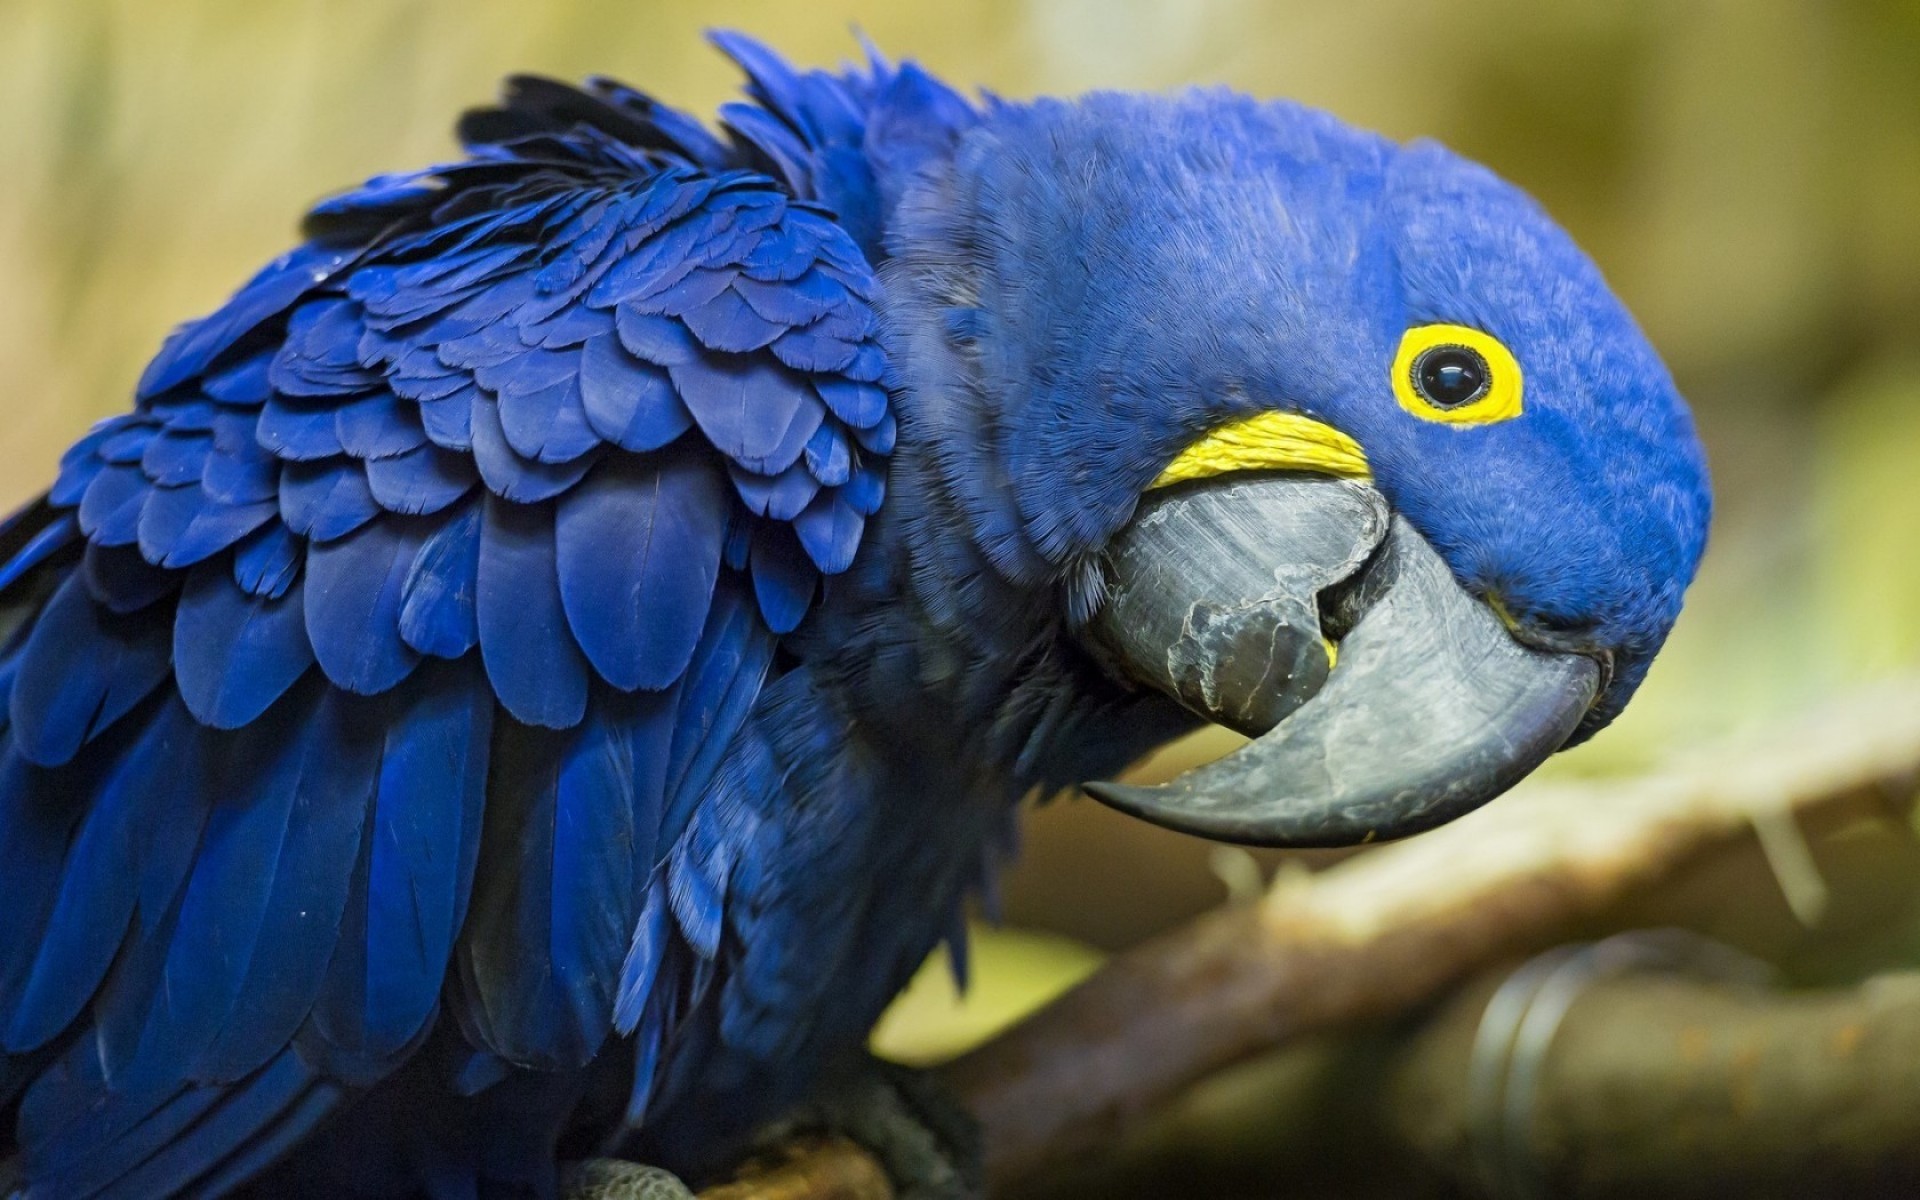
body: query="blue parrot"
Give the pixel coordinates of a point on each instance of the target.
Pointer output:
(541, 665)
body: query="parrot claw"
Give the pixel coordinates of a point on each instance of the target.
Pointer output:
(616, 1179)
(928, 1143)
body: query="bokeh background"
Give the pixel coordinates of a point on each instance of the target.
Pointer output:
(1747, 173)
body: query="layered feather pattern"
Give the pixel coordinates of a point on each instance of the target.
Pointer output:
(373, 664)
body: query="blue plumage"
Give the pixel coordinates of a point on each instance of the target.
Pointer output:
(609, 587)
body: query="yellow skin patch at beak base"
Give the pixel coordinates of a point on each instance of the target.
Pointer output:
(1269, 441)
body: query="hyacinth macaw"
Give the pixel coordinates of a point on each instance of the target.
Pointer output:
(540, 666)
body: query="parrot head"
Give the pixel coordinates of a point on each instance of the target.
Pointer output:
(1339, 442)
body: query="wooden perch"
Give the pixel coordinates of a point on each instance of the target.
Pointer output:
(1390, 929)
(1668, 1086)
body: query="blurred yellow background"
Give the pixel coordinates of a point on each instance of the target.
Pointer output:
(1747, 172)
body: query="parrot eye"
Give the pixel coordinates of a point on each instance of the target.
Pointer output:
(1456, 375)
(1449, 376)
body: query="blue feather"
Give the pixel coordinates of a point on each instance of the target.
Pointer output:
(662, 341)
(33, 844)
(180, 526)
(746, 407)
(240, 470)
(323, 501)
(449, 420)
(194, 347)
(297, 430)
(355, 588)
(139, 832)
(784, 578)
(861, 405)
(243, 385)
(267, 562)
(110, 509)
(536, 667)
(628, 402)
(638, 549)
(548, 424)
(552, 908)
(423, 480)
(235, 653)
(438, 614)
(511, 477)
(794, 302)
(828, 458)
(82, 669)
(384, 982)
(59, 533)
(830, 530)
(716, 694)
(260, 911)
(119, 578)
(173, 459)
(378, 425)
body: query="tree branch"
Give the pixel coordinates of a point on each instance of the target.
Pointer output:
(1390, 929)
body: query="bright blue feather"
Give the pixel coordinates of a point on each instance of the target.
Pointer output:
(535, 664)
(637, 550)
(235, 652)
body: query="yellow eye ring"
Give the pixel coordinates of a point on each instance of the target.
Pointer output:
(1456, 375)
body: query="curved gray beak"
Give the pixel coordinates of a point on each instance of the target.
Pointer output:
(1218, 595)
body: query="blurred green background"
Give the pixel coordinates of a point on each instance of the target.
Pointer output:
(1747, 173)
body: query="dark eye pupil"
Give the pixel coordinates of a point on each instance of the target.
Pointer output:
(1450, 376)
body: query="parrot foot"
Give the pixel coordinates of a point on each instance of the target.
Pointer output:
(613, 1179)
(928, 1143)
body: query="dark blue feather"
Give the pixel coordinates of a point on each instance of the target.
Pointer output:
(235, 652)
(180, 526)
(630, 403)
(268, 561)
(746, 407)
(536, 667)
(191, 349)
(298, 430)
(260, 911)
(139, 833)
(508, 475)
(384, 981)
(423, 480)
(553, 900)
(111, 507)
(60, 532)
(438, 614)
(322, 501)
(176, 458)
(355, 588)
(378, 425)
(638, 549)
(82, 669)
(118, 577)
(784, 578)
